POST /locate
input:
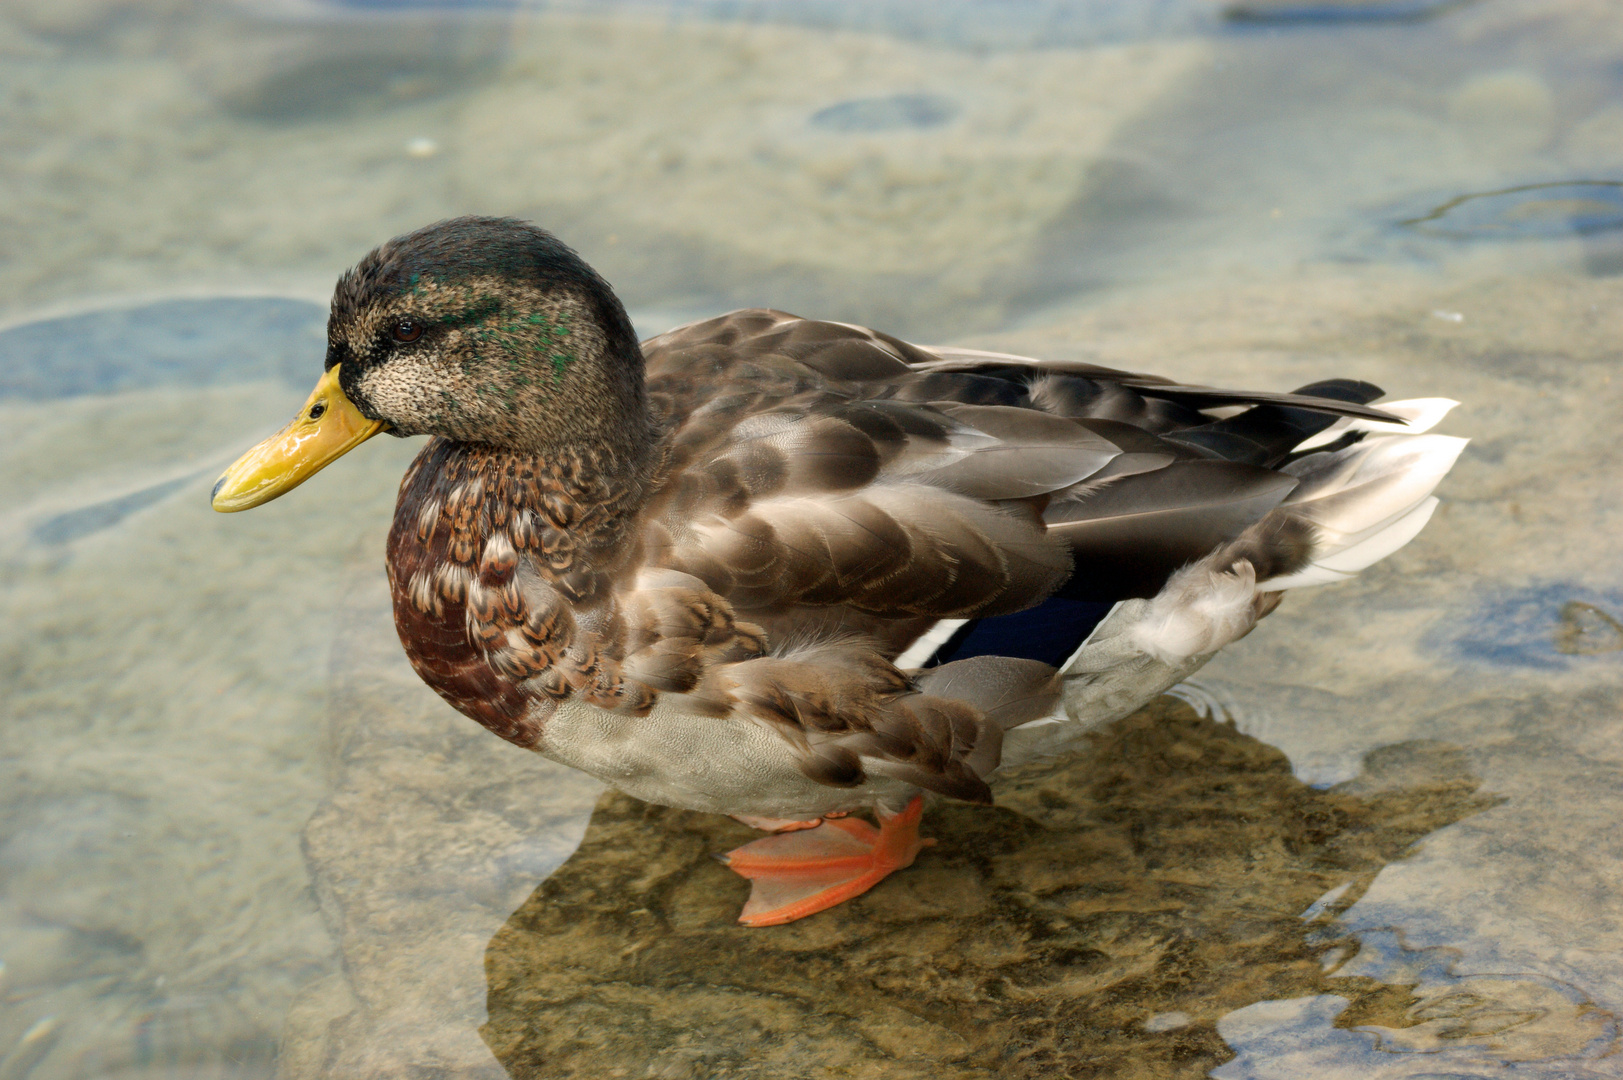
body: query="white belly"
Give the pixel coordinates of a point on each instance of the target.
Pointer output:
(725, 765)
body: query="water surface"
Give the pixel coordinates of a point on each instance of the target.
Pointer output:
(238, 839)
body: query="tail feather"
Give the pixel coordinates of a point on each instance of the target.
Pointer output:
(1419, 415)
(1364, 502)
(1267, 434)
(1351, 507)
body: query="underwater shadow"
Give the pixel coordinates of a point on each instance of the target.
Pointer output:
(1098, 922)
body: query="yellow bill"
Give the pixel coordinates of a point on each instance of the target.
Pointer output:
(327, 428)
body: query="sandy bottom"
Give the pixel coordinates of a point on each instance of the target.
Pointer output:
(238, 838)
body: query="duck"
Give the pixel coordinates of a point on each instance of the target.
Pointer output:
(798, 571)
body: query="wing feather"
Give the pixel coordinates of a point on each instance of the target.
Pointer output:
(849, 713)
(1032, 453)
(1128, 535)
(971, 361)
(833, 465)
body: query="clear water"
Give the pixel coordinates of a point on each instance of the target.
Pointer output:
(238, 839)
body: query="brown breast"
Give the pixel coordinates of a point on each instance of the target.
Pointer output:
(516, 586)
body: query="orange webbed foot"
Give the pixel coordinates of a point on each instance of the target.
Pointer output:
(799, 873)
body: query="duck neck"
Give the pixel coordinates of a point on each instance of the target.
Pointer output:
(609, 459)
(573, 508)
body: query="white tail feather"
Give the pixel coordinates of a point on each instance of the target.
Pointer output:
(1343, 564)
(1365, 502)
(1377, 546)
(1422, 414)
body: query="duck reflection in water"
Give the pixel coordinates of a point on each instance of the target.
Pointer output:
(1101, 919)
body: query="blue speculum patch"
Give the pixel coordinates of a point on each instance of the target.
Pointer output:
(1049, 632)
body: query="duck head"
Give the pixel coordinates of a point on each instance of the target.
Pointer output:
(482, 330)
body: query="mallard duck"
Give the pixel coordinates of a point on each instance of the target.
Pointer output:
(792, 570)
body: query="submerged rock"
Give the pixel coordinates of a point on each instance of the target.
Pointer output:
(1585, 630)
(1163, 872)
(336, 59)
(1504, 113)
(73, 524)
(1418, 1002)
(898, 111)
(1538, 626)
(1338, 11)
(209, 341)
(1527, 212)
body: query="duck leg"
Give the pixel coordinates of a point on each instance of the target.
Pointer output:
(778, 824)
(799, 873)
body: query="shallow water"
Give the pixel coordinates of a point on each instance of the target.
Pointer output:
(239, 839)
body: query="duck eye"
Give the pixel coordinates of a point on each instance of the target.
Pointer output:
(407, 330)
